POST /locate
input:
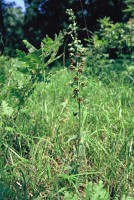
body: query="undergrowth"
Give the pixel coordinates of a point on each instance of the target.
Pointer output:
(38, 149)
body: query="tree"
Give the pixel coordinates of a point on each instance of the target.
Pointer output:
(11, 21)
(2, 27)
(47, 17)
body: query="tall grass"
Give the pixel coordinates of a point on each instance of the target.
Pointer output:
(38, 151)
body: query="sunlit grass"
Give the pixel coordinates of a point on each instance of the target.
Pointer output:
(38, 150)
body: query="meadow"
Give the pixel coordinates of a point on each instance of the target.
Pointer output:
(59, 144)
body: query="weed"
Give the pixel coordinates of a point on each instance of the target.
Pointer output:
(77, 63)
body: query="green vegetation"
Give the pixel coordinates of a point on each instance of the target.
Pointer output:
(61, 143)
(47, 17)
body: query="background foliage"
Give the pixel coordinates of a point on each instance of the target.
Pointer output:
(43, 17)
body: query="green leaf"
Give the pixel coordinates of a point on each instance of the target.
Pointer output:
(6, 109)
(70, 196)
(96, 192)
(30, 47)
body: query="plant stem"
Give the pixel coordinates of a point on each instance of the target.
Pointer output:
(79, 128)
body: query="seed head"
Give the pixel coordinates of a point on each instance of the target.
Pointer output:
(79, 100)
(82, 84)
(79, 71)
(78, 55)
(76, 79)
(72, 61)
(72, 67)
(71, 54)
(76, 90)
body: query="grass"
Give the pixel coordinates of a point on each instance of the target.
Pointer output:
(38, 157)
